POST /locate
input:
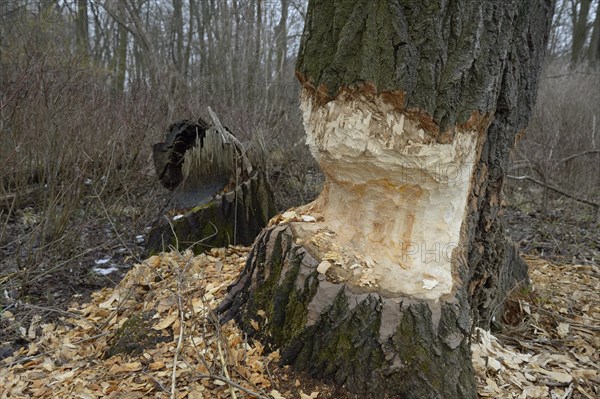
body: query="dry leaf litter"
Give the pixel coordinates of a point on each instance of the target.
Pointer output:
(552, 352)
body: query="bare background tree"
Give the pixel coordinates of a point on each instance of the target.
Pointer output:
(86, 86)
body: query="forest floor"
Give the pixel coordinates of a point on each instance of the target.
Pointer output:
(101, 341)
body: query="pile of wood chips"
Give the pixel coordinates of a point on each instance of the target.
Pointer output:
(555, 351)
(552, 349)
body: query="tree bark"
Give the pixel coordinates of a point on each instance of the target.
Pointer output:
(235, 218)
(83, 39)
(121, 59)
(281, 39)
(411, 109)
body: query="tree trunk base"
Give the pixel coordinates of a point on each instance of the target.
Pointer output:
(373, 343)
(218, 223)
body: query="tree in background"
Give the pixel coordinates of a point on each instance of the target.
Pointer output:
(576, 31)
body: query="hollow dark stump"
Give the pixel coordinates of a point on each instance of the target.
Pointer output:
(218, 197)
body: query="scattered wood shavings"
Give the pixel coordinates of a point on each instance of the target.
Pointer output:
(212, 361)
(366, 278)
(323, 267)
(429, 284)
(551, 352)
(291, 216)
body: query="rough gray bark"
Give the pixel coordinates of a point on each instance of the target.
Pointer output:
(449, 65)
(446, 59)
(374, 344)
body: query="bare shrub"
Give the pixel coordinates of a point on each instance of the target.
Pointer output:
(76, 177)
(73, 155)
(554, 180)
(561, 147)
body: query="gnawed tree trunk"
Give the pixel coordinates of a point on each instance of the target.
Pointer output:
(411, 108)
(219, 199)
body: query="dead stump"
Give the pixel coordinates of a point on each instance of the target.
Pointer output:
(218, 197)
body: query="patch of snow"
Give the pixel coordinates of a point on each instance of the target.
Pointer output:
(104, 272)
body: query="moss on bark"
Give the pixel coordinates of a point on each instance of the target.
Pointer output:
(212, 224)
(447, 58)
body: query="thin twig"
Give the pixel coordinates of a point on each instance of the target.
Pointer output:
(580, 154)
(563, 318)
(273, 384)
(14, 93)
(228, 381)
(28, 358)
(118, 309)
(179, 342)
(55, 310)
(114, 227)
(224, 364)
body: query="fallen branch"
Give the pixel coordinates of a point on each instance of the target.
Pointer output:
(556, 190)
(179, 344)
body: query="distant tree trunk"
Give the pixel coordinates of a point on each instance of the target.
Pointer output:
(281, 38)
(190, 36)
(579, 18)
(199, 13)
(121, 57)
(178, 35)
(83, 40)
(177, 70)
(411, 108)
(594, 49)
(259, 27)
(253, 46)
(207, 12)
